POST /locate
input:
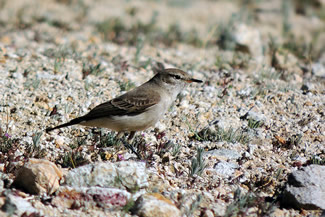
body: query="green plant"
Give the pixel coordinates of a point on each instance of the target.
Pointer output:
(111, 29)
(108, 140)
(240, 60)
(221, 63)
(129, 205)
(35, 150)
(72, 159)
(126, 86)
(90, 69)
(286, 8)
(240, 204)
(6, 142)
(194, 205)
(317, 160)
(139, 46)
(58, 64)
(198, 164)
(115, 30)
(36, 138)
(253, 124)
(63, 52)
(302, 48)
(294, 140)
(176, 148)
(230, 135)
(243, 202)
(169, 146)
(33, 83)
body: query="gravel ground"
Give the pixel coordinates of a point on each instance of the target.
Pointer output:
(258, 116)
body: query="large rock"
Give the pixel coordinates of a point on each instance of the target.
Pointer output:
(38, 176)
(306, 188)
(128, 175)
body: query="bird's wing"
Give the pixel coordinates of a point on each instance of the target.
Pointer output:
(131, 103)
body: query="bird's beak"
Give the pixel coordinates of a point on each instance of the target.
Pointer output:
(194, 80)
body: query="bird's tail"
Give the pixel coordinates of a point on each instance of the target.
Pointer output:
(70, 123)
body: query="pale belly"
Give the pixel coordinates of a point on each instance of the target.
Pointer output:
(130, 123)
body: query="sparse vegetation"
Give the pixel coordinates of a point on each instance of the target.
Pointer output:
(139, 46)
(254, 123)
(90, 69)
(176, 148)
(198, 164)
(36, 138)
(107, 140)
(242, 203)
(229, 135)
(194, 205)
(6, 142)
(317, 160)
(129, 205)
(72, 159)
(33, 83)
(58, 64)
(114, 29)
(126, 86)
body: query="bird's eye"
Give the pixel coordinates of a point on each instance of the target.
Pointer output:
(177, 76)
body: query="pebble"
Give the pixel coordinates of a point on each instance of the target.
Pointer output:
(154, 204)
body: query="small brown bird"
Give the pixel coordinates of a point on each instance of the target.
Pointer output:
(139, 108)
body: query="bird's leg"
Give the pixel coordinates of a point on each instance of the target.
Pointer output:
(131, 136)
(118, 138)
(119, 135)
(129, 145)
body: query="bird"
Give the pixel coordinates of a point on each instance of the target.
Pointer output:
(139, 108)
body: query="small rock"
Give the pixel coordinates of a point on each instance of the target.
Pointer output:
(128, 175)
(307, 87)
(42, 105)
(59, 141)
(318, 70)
(184, 104)
(224, 153)
(248, 39)
(225, 169)
(306, 188)
(283, 59)
(251, 148)
(278, 212)
(245, 92)
(38, 176)
(154, 204)
(17, 205)
(251, 115)
(256, 116)
(208, 213)
(160, 127)
(150, 139)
